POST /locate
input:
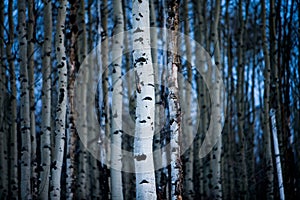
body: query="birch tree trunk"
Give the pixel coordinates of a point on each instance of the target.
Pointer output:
(277, 153)
(46, 104)
(71, 132)
(173, 63)
(266, 117)
(187, 125)
(14, 186)
(25, 105)
(56, 166)
(82, 183)
(117, 101)
(216, 109)
(145, 109)
(30, 56)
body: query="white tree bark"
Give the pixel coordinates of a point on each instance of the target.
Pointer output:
(277, 154)
(46, 104)
(266, 117)
(144, 165)
(30, 56)
(117, 101)
(56, 166)
(25, 105)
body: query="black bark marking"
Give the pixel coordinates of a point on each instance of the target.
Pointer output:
(140, 39)
(144, 181)
(147, 98)
(140, 157)
(61, 95)
(138, 30)
(143, 121)
(140, 14)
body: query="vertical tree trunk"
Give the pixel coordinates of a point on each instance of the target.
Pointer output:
(46, 104)
(71, 132)
(145, 113)
(25, 104)
(105, 114)
(3, 135)
(83, 185)
(173, 63)
(216, 109)
(117, 103)
(266, 124)
(240, 107)
(187, 125)
(13, 152)
(276, 151)
(56, 166)
(30, 56)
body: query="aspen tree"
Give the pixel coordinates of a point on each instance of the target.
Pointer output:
(56, 166)
(46, 104)
(117, 101)
(30, 57)
(173, 64)
(14, 186)
(145, 101)
(25, 104)
(266, 103)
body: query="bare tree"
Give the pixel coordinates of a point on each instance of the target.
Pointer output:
(56, 166)
(142, 61)
(46, 104)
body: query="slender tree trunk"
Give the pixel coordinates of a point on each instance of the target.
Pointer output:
(25, 105)
(46, 104)
(117, 103)
(173, 63)
(266, 124)
(30, 56)
(3, 135)
(145, 113)
(56, 166)
(82, 183)
(105, 114)
(240, 107)
(187, 125)
(276, 151)
(13, 151)
(216, 111)
(71, 132)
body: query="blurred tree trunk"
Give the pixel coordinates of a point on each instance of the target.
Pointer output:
(71, 132)
(105, 111)
(187, 125)
(82, 183)
(117, 103)
(243, 186)
(46, 104)
(25, 104)
(3, 135)
(145, 113)
(266, 117)
(216, 110)
(56, 166)
(13, 142)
